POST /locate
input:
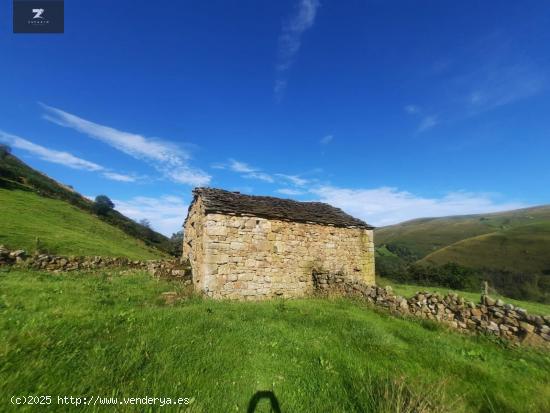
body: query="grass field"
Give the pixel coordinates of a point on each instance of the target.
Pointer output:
(62, 229)
(111, 335)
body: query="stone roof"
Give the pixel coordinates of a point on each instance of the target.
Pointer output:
(235, 203)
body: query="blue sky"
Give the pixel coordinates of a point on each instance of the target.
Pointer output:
(390, 110)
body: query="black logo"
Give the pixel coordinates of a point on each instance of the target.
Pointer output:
(38, 16)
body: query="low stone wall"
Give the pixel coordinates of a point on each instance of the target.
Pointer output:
(489, 316)
(173, 268)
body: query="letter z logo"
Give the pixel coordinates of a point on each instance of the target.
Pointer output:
(38, 13)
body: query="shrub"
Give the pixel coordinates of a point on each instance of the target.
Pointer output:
(103, 205)
(5, 150)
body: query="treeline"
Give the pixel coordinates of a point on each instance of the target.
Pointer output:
(401, 267)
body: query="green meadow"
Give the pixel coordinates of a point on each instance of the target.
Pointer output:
(111, 334)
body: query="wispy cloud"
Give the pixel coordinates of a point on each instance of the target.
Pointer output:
(238, 166)
(325, 140)
(61, 157)
(294, 179)
(290, 41)
(412, 109)
(251, 172)
(119, 177)
(246, 171)
(165, 213)
(262, 176)
(49, 155)
(386, 206)
(165, 156)
(493, 87)
(493, 72)
(428, 122)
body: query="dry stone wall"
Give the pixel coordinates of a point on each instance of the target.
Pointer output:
(489, 316)
(158, 268)
(257, 258)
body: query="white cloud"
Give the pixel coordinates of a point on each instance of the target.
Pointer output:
(119, 177)
(165, 213)
(49, 155)
(247, 171)
(289, 191)
(326, 140)
(294, 179)
(189, 176)
(427, 123)
(412, 109)
(386, 206)
(132, 144)
(166, 157)
(241, 166)
(290, 40)
(251, 172)
(62, 158)
(262, 176)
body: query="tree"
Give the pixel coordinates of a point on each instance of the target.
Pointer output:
(5, 150)
(176, 241)
(145, 223)
(103, 205)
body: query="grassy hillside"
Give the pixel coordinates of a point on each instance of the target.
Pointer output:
(524, 248)
(111, 336)
(62, 229)
(15, 174)
(427, 235)
(508, 249)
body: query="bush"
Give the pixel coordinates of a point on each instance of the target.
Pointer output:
(145, 223)
(103, 205)
(176, 242)
(5, 150)
(450, 275)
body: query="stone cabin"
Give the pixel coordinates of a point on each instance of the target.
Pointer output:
(257, 247)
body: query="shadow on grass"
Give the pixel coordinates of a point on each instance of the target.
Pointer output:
(264, 395)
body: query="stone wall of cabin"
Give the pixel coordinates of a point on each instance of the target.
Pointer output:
(256, 258)
(193, 242)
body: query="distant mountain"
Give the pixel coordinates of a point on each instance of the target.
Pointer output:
(512, 244)
(518, 239)
(22, 187)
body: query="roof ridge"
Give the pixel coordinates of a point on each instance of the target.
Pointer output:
(235, 203)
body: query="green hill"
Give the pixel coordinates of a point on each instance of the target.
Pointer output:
(15, 174)
(33, 205)
(514, 240)
(427, 235)
(511, 249)
(522, 249)
(62, 229)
